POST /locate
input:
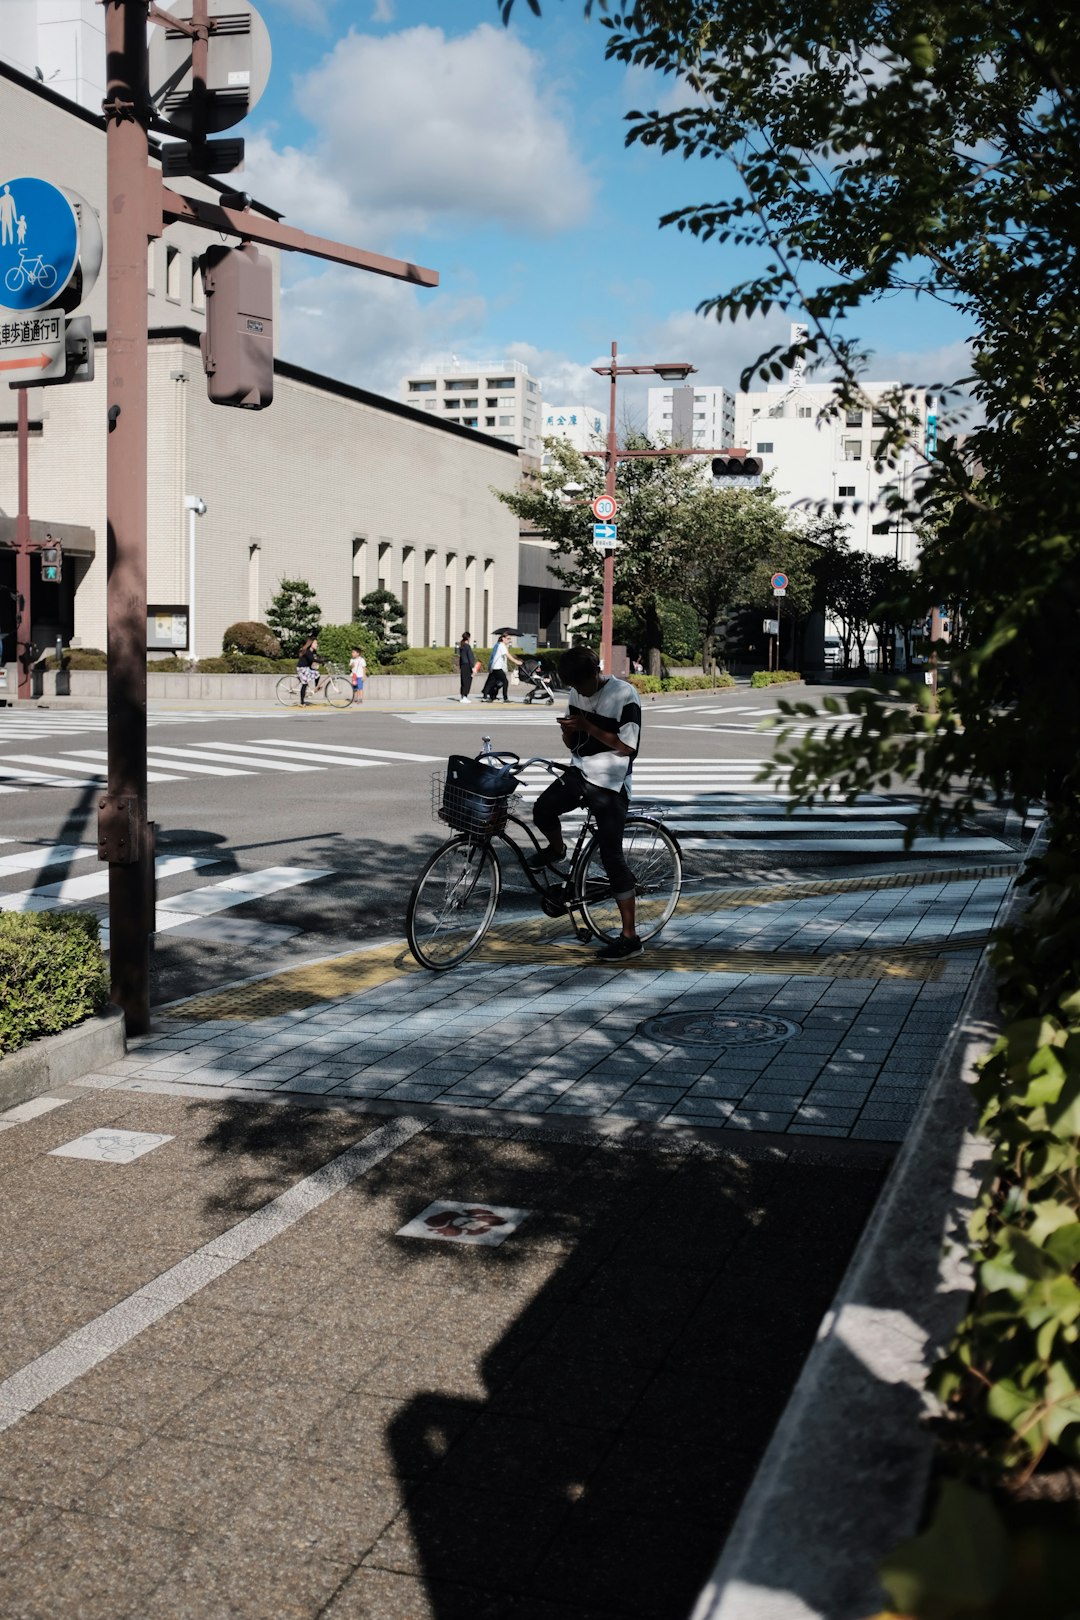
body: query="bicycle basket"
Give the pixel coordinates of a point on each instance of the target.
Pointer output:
(474, 797)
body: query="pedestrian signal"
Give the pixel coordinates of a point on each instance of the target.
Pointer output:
(52, 564)
(238, 344)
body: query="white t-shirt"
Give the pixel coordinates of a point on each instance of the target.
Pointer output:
(358, 666)
(616, 708)
(498, 656)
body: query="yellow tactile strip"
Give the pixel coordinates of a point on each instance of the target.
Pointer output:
(296, 988)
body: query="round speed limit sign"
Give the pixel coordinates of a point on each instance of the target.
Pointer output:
(604, 508)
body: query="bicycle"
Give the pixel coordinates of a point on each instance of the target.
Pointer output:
(333, 685)
(30, 269)
(454, 899)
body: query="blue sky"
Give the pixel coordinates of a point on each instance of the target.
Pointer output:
(497, 157)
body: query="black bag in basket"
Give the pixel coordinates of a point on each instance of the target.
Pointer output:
(476, 795)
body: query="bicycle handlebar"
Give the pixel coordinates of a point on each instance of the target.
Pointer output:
(506, 756)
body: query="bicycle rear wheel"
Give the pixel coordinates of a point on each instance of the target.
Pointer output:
(452, 903)
(653, 857)
(287, 690)
(337, 693)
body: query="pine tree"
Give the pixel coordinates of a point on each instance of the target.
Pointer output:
(294, 615)
(382, 614)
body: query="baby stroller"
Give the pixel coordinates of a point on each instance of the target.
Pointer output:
(540, 682)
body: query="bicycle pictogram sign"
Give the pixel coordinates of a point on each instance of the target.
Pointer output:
(39, 242)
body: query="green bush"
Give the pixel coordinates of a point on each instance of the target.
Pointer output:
(249, 636)
(243, 664)
(426, 661)
(336, 642)
(680, 683)
(79, 658)
(646, 683)
(52, 974)
(774, 677)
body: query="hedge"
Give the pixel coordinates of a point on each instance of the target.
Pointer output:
(680, 683)
(52, 974)
(774, 677)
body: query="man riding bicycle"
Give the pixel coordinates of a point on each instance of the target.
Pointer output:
(602, 729)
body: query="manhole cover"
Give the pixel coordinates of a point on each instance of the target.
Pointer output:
(710, 1028)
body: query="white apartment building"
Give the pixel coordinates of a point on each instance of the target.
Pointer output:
(691, 413)
(497, 397)
(581, 425)
(60, 44)
(333, 484)
(818, 459)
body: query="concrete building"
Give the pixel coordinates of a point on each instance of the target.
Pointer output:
(581, 425)
(497, 397)
(820, 459)
(60, 43)
(691, 413)
(333, 484)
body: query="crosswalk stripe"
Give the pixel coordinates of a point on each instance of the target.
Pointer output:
(50, 896)
(27, 860)
(283, 744)
(170, 756)
(312, 753)
(28, 779)
(235, 754)
(59, 762)
(237, 891)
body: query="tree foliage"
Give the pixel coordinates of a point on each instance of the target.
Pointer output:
(293, 615)
(382, 614)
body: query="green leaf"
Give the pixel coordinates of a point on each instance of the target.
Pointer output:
(960, 1558)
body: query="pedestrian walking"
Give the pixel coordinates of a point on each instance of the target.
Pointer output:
(357, 674)
(467, 666)
(498, 677)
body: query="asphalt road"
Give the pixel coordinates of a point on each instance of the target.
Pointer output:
(348, 794)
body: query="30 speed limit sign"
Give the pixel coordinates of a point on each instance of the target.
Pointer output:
(604, 508)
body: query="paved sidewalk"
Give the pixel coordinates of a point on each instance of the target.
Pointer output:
(812, 1010)
(360, 1291)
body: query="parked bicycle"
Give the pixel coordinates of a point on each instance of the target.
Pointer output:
(455, 898)
(333, 686)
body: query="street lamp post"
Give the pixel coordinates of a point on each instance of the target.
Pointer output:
(195, 507)
(675, 371)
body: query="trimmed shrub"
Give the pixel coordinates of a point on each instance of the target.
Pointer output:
(336, 642)
(426, 661)
(249, 636)
(774, 677)
(52, 974)
(680, 683)
(241, 664)
(294, 614)
(79, 658)
(646, 683)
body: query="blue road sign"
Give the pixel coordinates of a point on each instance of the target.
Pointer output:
(605, 534)
(39, 243)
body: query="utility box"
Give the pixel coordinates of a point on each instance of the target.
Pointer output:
(238, 344)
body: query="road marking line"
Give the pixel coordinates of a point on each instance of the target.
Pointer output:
(45, 1376)
(99, 753)
(184, 757)
(50, 896)
(236, 754)
(237, 891)
(27, 859)
(285, 745)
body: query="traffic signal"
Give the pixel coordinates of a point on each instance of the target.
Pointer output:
(52, 564)
(238, 344)
(736, 467)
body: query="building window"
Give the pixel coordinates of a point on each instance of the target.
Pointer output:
(846, 490)
(880, 419)
(198, 300)
(776, 411)
(878, 449)
(854, 419)
(489, 421)
(506, 421)
(765, 449)
(491, 403)
(805, 411)
(172, 274)
(429, 404)
(699, 416)
(852, 449)
(470, 404)
(468, 421)
(500, 382)
(463, 385)
(451, 404)
(421, 388)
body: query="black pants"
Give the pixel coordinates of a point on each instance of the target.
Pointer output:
(496, 683)
(466, 680)
(609, 808)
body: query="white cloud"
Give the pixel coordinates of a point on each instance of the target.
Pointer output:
(414, 130)
(311, 13)
(382, 11)
(370, 331)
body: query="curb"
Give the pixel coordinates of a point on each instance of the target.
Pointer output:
(845, 1473)
(58, 1060)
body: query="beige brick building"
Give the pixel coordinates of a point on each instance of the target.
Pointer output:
(332, 484)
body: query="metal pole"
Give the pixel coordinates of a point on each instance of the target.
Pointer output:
(23, 623)
(191, 582)
(606, 613)
(123, 834)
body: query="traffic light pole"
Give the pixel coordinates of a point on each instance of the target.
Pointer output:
(124, 835)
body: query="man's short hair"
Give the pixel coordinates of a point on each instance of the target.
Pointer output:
(578, 663)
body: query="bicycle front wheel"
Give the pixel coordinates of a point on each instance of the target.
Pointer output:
(653, 857)
(337, 693)
(287, 690)
(47, 276)
(452, 903)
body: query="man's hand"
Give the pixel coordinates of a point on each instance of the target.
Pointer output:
(570, 729)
